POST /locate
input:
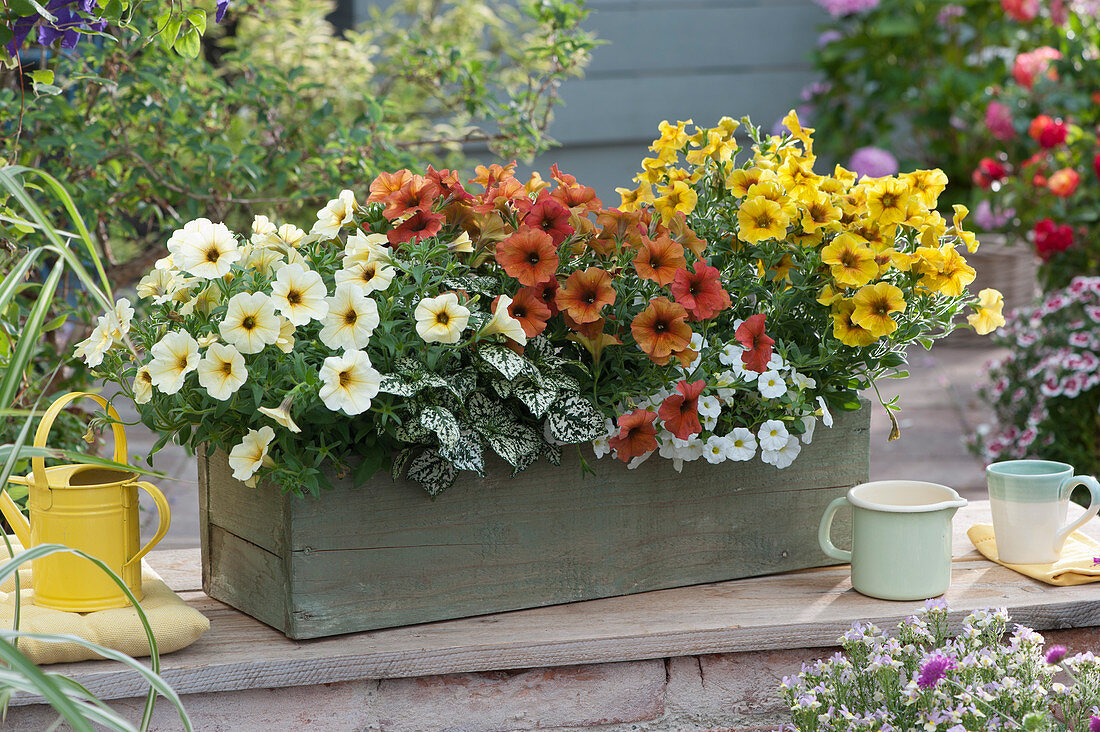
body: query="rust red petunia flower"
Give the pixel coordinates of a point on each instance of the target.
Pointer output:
(420, 225)
(530, 310)
(680, 412)
(660, 330)
(585, 293)
(700, 292)
(549, 215)
(757, 345)
(637, 435)
(529, 256)
(659, 260)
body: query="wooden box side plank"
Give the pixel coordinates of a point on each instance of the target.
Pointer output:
(258, 516)
(248, 577)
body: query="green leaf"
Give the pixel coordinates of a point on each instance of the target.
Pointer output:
(573, 419)
(397, 385)
(509, 364)
(516, 443)
(197, 18)
(41, 76)
(401, 461)
(188, 44)
(412, 431)
(534, 397)
(371, 463)
(502, 387)
(433, 472)
(466, 454)
(442, 423)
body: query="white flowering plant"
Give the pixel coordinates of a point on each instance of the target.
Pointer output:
(921, 678)
(425, 326)
(1045, 392)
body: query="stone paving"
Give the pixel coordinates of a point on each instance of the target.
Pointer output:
(939, 407)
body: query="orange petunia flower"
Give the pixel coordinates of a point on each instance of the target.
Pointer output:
(700, 292)
(585, 293)
(637, 435)
(680, 412)
(489, 177)
(661, 329)
(618, 229)
(548, 293)
(387, 183)
(757, 345)
(417, 194)
(448, 183)
(420, 225)
(510, 190)
(551, 216)
(659, 259)
(683, 234)
(529, 256)
(588, 330)
(530, 310)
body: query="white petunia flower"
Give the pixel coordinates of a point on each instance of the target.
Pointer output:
(743, 372)
(298, 293)
(207, 299)
(801, 381)
(285, 340)
(291, 236)
(205, 341)
(204, 249)
(742, 444)
(349, 382)
(335, 215)
(441, 319)
(823, 409)
(602, 445)
(222, 371)
(372, 276)
(174, 357)
(503, 323)
(717, 449)
(809, 422)
(251, 454)
(250, 322)
(725, 383)
(351, 319)
(116, 323)
(143, 386)
(771, 385)
(367, 247)
(92, 348)
(161, 285)
(166, 263)
(785, 455)
(776, 362)
(772, 435)
(262, 259)
(264, 232)
(731, 354)
(709, 406)
(461, 243)
(281, 414)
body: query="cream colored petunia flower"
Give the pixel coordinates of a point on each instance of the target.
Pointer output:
(290, 235)
(143, 386)
(285, 341)
(461, 243)
(251, 454)
(281, 414)
(441, 319)
(166, 263)
(250, 322)
(205, 341)
(349, 382)
(372, 276)
(264, 233)
(503, 323)
(174, 357)
(264, 260)
(204, 249)
(93, 348)
(351, 318)
(206, 300)
(336, 213)
(161, 285)
(298, 293)
(369, 247)
(116, 323)
(222, 371)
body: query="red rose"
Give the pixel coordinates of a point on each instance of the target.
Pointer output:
(1048, 132)
(1096, 164)
(1051, 238)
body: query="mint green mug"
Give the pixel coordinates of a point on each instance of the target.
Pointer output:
(901, 538)
(1029, 500)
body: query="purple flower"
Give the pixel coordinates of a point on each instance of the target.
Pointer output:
(72, 18)
(873, 162)
(949, 13)
(829, 36)
(934, 669)
(838, 8)
(223, 5)
(1095, 561)
(989, 218)
(1055, 654)
(1094, 724)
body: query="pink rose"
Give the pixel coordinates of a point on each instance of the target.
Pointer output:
(998, 120)
(1028, 66)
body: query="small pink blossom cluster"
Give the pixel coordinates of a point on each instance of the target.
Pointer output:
(1055, 360)
(839, 8)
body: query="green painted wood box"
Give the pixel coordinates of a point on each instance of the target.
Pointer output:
(385, 554)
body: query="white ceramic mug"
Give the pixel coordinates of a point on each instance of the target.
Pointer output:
(1029, 500)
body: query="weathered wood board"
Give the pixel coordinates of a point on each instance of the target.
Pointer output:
(804, 609)
(386, 555)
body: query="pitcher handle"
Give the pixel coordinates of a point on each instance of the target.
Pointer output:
(38, 464)
(1094, 506)
(164, 514)
(825, 529)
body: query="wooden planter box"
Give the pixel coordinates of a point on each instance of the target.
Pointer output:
(385, 554)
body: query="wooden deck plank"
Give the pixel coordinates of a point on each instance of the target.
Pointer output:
(809, 608)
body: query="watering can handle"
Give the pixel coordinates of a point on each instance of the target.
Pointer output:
(38, 464)
(164, 514)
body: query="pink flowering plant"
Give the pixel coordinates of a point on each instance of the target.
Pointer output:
(1046, 391)
(921, 678)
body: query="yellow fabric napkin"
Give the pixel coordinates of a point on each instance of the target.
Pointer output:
(1075, 567)
(175, 624)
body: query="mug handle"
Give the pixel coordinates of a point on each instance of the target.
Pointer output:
(1094, 506)
(163, 513)
(824, 530)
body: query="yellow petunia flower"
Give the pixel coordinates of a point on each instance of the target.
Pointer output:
(727, 126)
(844, 176)
(797, 176)
(819, 212)
(943, 270)
(634, 198)
(888, 201)
(965, 236)
(807, 239)
(673, 136)
(989, 316)
(714, 147)
(740, 180)
(759, 219)
(873, 306)
(845, 330)
(927, 185)
(802, 134)
(677, 196)
(828, 295)
(850, 260)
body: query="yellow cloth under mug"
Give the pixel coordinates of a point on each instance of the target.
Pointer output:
(175, 624)
(1076, 566)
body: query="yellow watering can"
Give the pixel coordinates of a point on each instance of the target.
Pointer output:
(84, 507)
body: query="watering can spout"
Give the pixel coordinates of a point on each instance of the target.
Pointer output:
(16, 520)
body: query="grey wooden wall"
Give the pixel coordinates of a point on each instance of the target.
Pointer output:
(677, 59)
(674, 59)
